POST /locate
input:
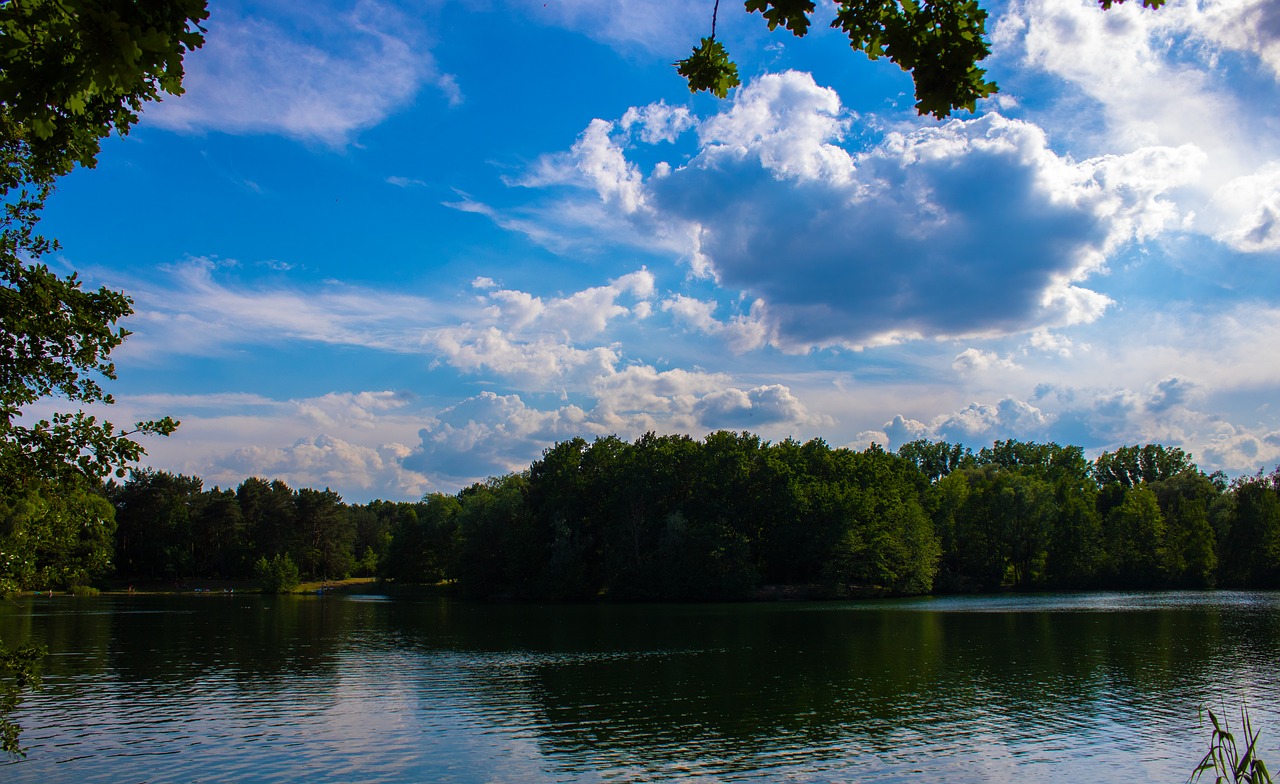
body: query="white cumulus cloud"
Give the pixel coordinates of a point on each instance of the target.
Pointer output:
(657, 122)
(973, 360)
(324, 461)
(971, 228)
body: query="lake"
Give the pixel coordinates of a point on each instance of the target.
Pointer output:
(230, 688)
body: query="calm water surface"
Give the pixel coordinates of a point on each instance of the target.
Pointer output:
(214, 688)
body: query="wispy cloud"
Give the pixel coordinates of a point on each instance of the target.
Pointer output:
(664, 26)
(405, 182)
(1195, 73)
(189, 309)
(259, 75)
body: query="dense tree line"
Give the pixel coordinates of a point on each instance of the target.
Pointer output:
(673, 518)
(668, 517)
(158, 526)
(169, 527)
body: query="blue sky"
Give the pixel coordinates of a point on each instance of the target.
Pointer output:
(392, 249)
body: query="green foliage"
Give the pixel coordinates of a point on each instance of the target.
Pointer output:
(940, 42)
(84, 590)
(1190, 547)
(936, 460)
(1044, 460)
(884, 539)
(978, 538)
(269, 514)
(155, 514)
(1250, 543)
(1106, 4)
(672, 518)
(367, 564)
(171, 528)
(55, 340)
(1226, 758)
(277, 575)
(55, 535)
(219, 536)
(791, 14)
(373, 534)
(1132, 465)
(1134, 533)
(1075, 551)
(19, 671)
(667, 517)
(71, 72)
(75, 71)
(1027, 503)
(1002, 521)
(1032, 515)
(424, 540)
(503, 552)
(327, 531)
(709, 68)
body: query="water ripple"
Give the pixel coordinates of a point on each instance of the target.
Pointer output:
(1075, 687)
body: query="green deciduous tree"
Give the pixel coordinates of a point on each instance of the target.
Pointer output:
(886, 540)
(654, 481)
(669, 517)
(221, 538)
(979, 559)
(424, 540)
(1028, 506)
(1075, 551)
(1251, 542)
(936, 460)
(1134, 533)
(997, 521)
(71, 73)
(503, 552)
(56, 340)
(54, 536)
(1132, 465)
(1190, 547)
(374, 522)
(279, 574)
(76, 71)
(1047, 461)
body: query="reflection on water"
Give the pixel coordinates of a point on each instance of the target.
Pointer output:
(1100, 687)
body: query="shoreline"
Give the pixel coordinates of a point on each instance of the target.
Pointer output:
(764, 594)
(220, 587)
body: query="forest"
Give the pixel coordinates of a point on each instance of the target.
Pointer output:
(730, 516)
